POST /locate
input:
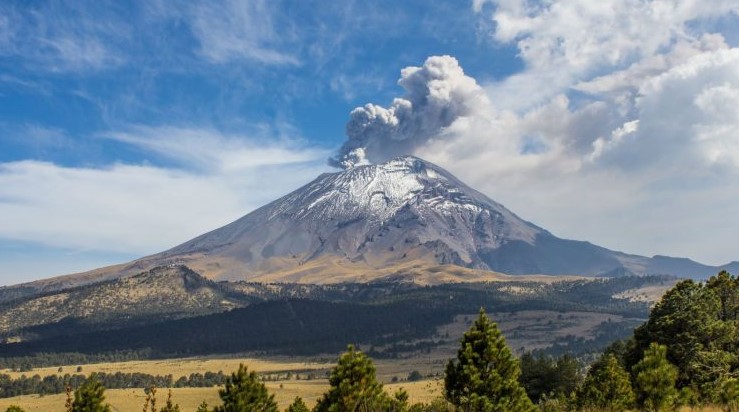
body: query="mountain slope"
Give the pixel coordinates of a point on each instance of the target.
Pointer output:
(161, 293)
(401, 218)
(372, 217)
(376, 216)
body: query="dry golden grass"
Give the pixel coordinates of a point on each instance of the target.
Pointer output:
(189, 398)
(386, 369)
(649, 294)
(120, 400)
(125, 400)
(419, 266)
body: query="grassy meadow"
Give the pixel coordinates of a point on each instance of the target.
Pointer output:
(189, 398)
(532, 329)
(285, 390)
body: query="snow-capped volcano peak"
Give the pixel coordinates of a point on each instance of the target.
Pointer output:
(385, 221)
(375, 192)
(371, 191)
(371, 213)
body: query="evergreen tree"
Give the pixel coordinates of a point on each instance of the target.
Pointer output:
(655, 379)
(244, 392)
(414, 376)
(484, 376)
(726, 288)
(90, 397)
(203, 407)
(354, 386)
(14, 408)
(545, 376)
(399, 402)
(606, 387)
(688, 396)
(298, 405)
(437, 405)
(170, 406)
(695, 322)
(729, 395)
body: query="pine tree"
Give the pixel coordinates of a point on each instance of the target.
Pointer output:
(485, 375)
(244, 392)
(607, 386)
(170, 406)
(687, 320)
(70, 401)
(203, 407)
(89, 397)
(151, 399)
(546, 376)
(437, 405)
(399, 401)
(729, 395)
(14, 408)
(354, 386)
(655, 379)
(298, 406)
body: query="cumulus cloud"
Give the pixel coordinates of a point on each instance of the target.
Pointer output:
(622, 121)
(563, 42)
(694, 104)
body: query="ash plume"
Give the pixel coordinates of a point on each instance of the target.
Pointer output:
(436, 94)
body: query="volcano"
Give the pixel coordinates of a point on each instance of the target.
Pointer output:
(399, 219)
(377, 220)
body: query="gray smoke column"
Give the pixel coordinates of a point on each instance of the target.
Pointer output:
(437, 94)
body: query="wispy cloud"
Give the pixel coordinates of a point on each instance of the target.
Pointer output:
(215, 152)
(352, 85)
(61, 38)
(233, 30)
(144, 208)
(93, 36)
(19, 83)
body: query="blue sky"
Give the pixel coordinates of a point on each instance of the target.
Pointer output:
(129, 127)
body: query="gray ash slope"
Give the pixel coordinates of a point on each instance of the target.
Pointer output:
(403, 209)
(381, 222)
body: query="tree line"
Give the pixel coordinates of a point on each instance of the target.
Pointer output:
(327, 317)
(685, 354)
(53, 384)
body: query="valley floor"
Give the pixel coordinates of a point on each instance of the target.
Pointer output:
(125, 400)
(189, 398)
(285, 390)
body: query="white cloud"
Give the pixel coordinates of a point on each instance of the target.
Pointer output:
(564, 42)
(718, 133)
(622, 128)
(94, 36)
(215, 152)
(69, 40)
(143, 209)
(238, 30)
